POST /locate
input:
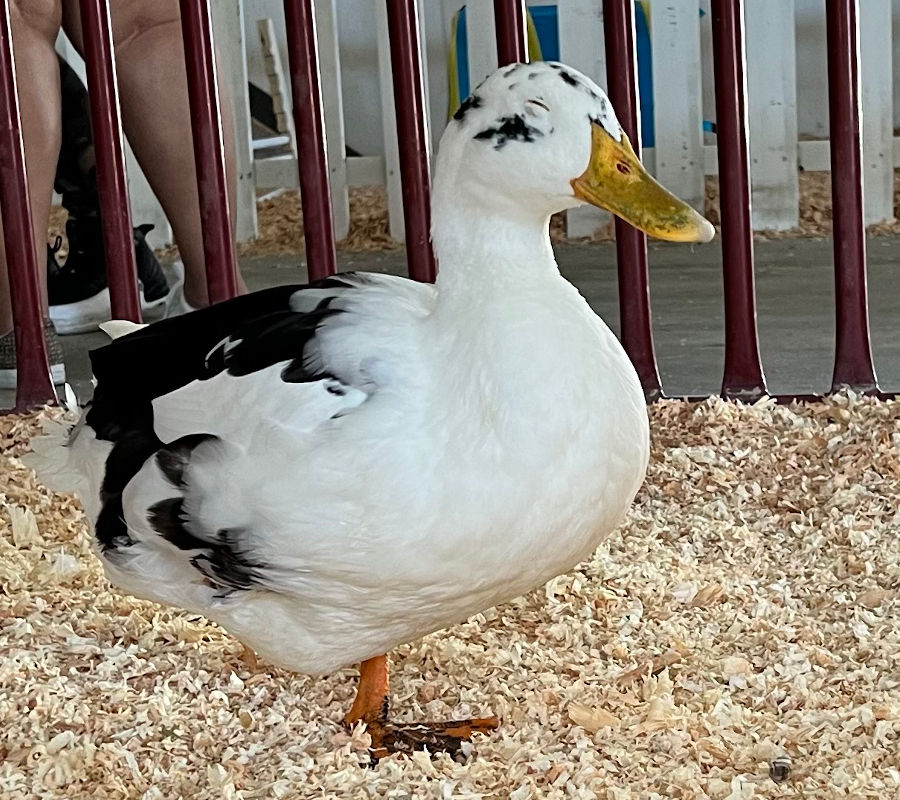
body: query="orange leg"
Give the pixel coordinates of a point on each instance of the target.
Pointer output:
(371, 706)
(372, 693)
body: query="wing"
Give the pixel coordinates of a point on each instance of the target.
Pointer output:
(184, 402)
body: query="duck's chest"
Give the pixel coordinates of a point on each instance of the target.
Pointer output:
(546, 445)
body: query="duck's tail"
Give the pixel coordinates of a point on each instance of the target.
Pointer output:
(68, 457)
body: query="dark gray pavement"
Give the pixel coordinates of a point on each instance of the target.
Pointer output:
(795, 291)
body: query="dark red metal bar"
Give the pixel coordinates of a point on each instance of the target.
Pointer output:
(209, 151)
(109, 149)
(631, 244)
(315, 189)
(34, 385)
(512, 31)
(853, 356)
(743, 376)
(409, 102)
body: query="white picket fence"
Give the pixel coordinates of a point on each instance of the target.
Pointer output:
(786, 62)
(683, 96)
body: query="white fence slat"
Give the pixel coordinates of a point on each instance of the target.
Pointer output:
(581, 45)
(678, 112)
(771, 75)
(228, 30)
(277, 79)
(481, 35)
(333, 111)
(396, 224)
(876, 79)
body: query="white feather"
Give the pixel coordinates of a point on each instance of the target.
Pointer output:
(120, 327)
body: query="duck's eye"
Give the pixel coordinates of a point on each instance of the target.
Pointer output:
(541, 103)
(623, 168)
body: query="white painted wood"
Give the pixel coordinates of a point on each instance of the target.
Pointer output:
(814, 155)
(771, 75)
(333, 110)
(581, 45)
(276, 78)
(277, 172)
(280, 172)
(678, 113)
(228, 30)
(481, 34)
(396, 224)
(365, 171)
(389, 119)
(876, 90)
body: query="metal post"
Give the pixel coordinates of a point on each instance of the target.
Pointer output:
(512, 31)
(315, 189)
(412, 133)
(853, 356)
(34, 385)
(631, 244)
(209, 151)
(112, 184)
(743, 376)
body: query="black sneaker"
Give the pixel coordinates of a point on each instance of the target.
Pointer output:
(77, 290)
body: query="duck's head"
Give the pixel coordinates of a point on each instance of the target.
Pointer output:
(543, 138)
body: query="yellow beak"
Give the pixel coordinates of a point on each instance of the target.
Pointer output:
(616, 180)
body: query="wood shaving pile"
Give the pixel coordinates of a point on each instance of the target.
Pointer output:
(744, 614)
(814, 208)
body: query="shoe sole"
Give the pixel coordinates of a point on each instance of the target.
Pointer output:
(9, 377)
(86, 315)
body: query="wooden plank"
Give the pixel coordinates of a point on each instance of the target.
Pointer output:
(876, 98)
(280, 172)
(389, 126)
(772, 113)
(482, 40)
(677, 102)
(581, 45)
(333, 110)
(279, 90)
(228, 30)
(277, 172)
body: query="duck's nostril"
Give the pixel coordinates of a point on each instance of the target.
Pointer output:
(623, 168)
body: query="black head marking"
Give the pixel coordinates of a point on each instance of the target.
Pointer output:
(510, 70)
(472, 101)
(568, 77)
(512, 86)
(533, 75)
(510, 128)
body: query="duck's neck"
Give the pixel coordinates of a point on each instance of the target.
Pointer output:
(483, 249)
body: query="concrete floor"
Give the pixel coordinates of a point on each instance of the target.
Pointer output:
(795, 309)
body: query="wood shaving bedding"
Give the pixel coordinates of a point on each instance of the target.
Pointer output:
(740, 626)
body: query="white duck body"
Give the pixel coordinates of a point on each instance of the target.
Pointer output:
(423, 454)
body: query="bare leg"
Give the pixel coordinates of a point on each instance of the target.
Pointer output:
(153, 89)
(34, 25)
(371, 706)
